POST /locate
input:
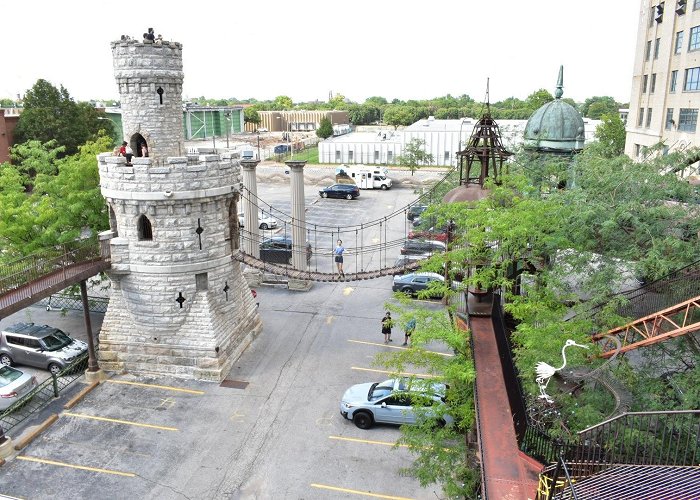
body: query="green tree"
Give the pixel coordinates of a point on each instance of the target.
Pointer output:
(282, 102)
(414, 155)
(250, 115)
(538, 99)
(597, 106)
(64, 199)
(7, 103)
(51, 114)
(376, 101)
(611, 135)
(325, 128)
(338, 102)
(441, 453)
(363, 114)
(400, 115)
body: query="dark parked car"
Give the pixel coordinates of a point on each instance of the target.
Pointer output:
(279, 249)
(413, 247)
(347, 191)
(413, 283)
(281, 149)
(414, 211)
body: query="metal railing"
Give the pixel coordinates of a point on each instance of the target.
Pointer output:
(46, 262)
(42, 395)
(64, 301)
(550, 483)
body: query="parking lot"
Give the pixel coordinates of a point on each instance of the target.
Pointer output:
(272, 431)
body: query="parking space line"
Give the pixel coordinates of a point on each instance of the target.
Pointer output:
(154, 386)
(8, 497)
(73, 466)
(407, 374)
(357, 492)
(397, 347)
(366, 441)
(117, 421)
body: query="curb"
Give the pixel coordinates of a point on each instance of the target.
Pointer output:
(78, 397)
(35, 433)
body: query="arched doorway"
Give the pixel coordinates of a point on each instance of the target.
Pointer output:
(138, 145)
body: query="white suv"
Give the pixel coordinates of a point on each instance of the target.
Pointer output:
(40, 346)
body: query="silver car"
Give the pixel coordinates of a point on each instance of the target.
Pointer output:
(40, 346)
(14, 385)
(390, 402)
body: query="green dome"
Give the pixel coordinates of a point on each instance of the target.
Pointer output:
(556, 126)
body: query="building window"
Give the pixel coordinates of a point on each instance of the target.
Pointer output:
(656, 48)
(652, 86)
(447, 156)
(696, 4)
(144, 228)
(645, 82)
(687, 119)
(389, 157)
(692, 80)
(669, 119)
(647, 51)
(694, 39)
(648, 117)
(637, 150)
(376, 157)
(640, 118)
(350, 155)
(674, 79)
(337, 156)
(679, 43)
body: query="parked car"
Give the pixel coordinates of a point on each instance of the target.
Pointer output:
(414, 211)
(432, 233)
(347, 191)
(39, 346)
(265, 221)
(391, 401)
(281, 149)
(278, 249)
(14, 385)
(413, 283)
(403, 260)
(413, 247)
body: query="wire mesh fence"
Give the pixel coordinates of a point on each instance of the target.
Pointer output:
(43, 394)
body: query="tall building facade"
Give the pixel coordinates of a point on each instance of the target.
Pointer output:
(665, 95)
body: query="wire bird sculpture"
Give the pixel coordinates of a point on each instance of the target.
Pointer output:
(545, 371)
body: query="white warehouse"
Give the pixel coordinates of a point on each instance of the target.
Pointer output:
(443, 138)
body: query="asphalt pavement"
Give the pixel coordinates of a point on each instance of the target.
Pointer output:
(272, 431)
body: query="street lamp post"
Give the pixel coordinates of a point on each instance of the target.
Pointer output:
(258, 144)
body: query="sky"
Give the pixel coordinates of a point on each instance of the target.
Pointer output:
(405, 49)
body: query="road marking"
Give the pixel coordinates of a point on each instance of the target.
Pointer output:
(166, 402)
(407, 374)
(330, 319)
(154, 386)
(8, 497)
(72, 466)
(235, 415)
(397, 347)
(367, 441)
(357, 492)
(117, 421)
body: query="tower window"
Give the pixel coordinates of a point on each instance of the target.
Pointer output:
(160, 93)
(688, 119)
(674, 80)
(694, 39)
(640, 117)
(647, 51)
(645, 83)
(657, 42)
(649, 110)
(144, 228)
(679, 43)
(652, 86)
(692, 79)
(669, 119)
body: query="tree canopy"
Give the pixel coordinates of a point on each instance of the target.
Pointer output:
(597, 106)
(325, 128)
(50, 114)
(611, 135)
(414, 155)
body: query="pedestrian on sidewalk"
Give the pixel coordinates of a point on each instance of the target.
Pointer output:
(387, 323)
(408, 330)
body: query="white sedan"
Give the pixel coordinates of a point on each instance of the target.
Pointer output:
(265, 221)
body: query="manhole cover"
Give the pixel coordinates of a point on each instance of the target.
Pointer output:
(234, 384)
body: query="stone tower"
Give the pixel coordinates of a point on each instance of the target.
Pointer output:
(179, 304)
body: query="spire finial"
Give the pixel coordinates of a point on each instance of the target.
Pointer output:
(560, 83)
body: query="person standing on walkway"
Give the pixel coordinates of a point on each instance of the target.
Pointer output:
(338, 257)
(387, 323)
(408, 330)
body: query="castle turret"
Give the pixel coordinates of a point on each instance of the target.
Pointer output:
(179, 304)
(150, 78)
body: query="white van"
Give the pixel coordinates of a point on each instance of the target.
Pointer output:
(364, 176)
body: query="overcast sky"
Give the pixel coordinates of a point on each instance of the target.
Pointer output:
(402, 49)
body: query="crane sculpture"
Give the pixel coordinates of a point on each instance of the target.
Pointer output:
(545, 371)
